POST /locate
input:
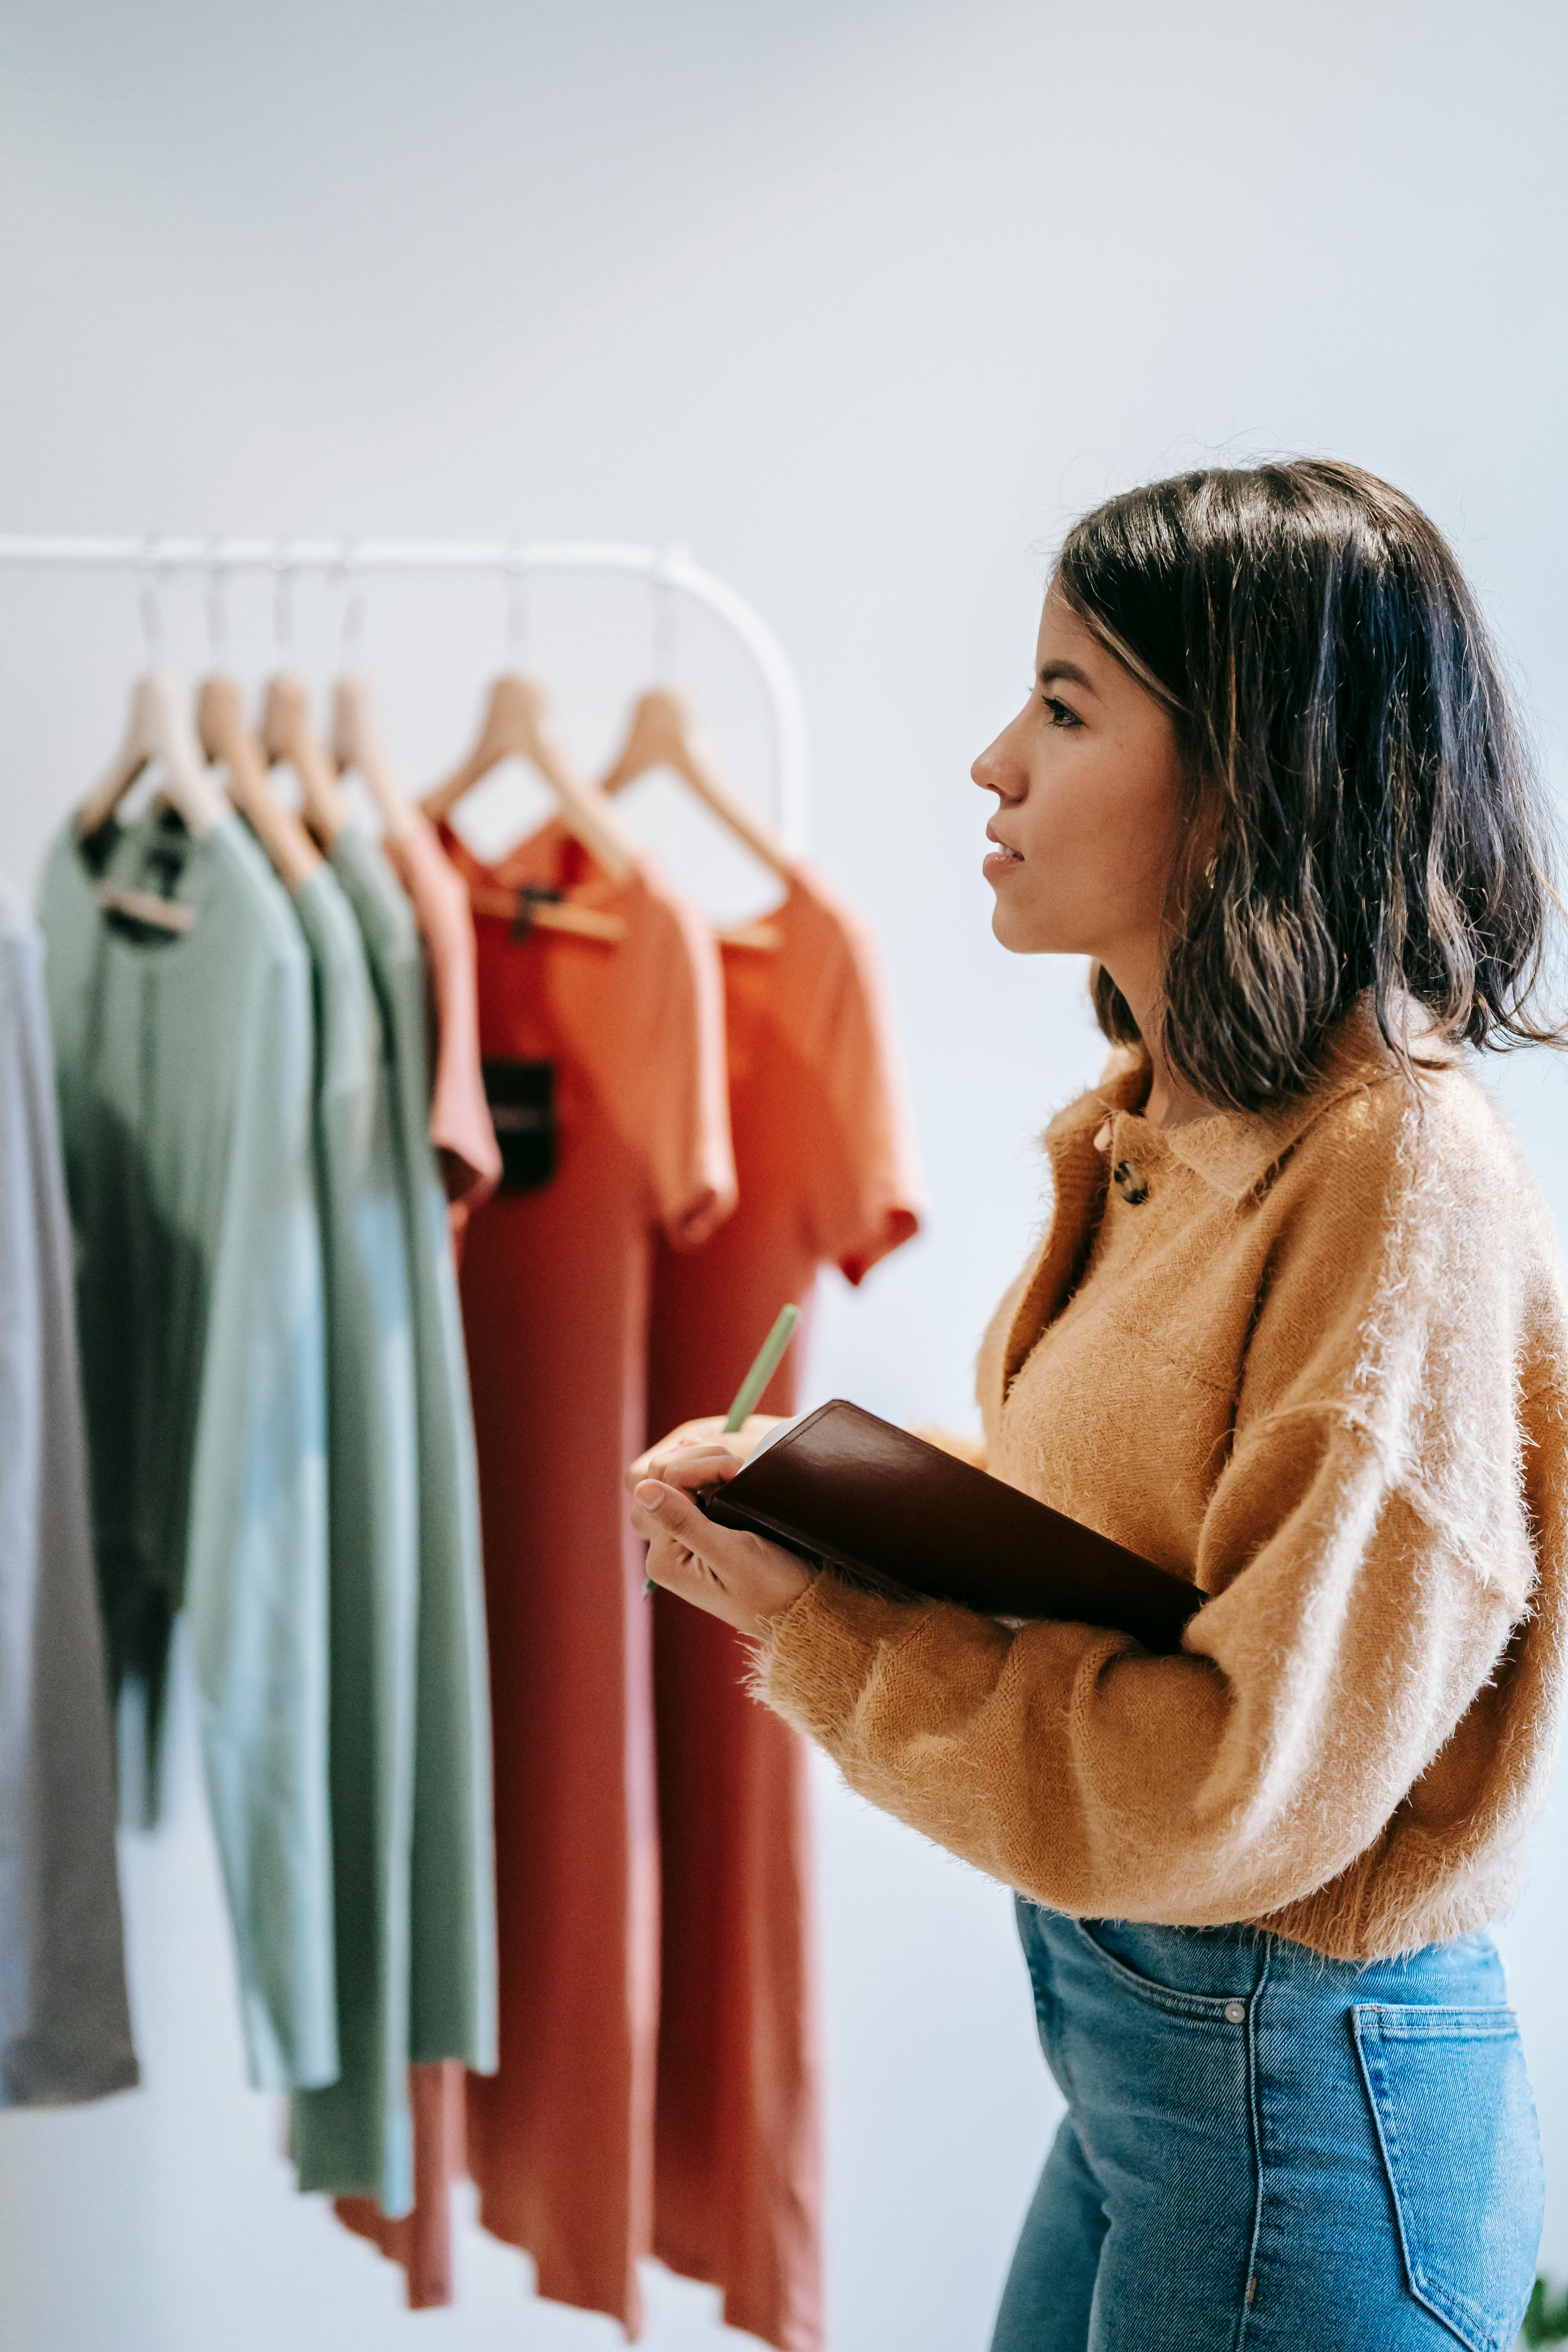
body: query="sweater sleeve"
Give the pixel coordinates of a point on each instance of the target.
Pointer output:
(962, 1446)
(1354, 1615)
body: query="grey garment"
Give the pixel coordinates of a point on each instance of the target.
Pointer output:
(452, 2003)
(185, 1069)
(355, 2135)
(65, 2025)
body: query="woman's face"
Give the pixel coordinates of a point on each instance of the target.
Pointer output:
(1088, 785)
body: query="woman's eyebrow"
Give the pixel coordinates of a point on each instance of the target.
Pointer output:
(1051, 671)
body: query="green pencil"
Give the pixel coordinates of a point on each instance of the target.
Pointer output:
(769, 1356)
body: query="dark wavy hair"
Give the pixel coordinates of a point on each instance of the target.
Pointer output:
(1362, 813)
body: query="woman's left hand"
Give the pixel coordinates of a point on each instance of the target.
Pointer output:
(740, 1578)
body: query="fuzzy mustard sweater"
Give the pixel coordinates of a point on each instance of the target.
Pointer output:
(1320, 1367)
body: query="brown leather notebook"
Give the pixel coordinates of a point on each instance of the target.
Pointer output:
(884, 1509)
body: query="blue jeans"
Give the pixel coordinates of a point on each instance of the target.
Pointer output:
(1271, 2152)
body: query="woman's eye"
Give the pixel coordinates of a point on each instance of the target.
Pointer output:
(1058, 712)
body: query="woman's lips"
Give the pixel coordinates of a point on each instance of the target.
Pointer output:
(999, 862)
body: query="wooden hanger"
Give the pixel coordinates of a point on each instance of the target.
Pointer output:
(518, 722)
(357, 745)
(146, 908)
(228, 739)
(527, 914)
(158, 730)
(288, 738)
(663, 734)
(761, 936)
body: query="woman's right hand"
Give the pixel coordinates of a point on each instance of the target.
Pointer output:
(702, 1453)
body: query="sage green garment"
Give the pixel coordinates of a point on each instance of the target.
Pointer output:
(183, 1066)
(355, 2137)
(65, 2023)
(453, 1972)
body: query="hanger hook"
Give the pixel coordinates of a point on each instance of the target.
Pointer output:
(518, 606)
(150, 599)
(217, 570)
(666, 612)
(347, 576)
(283, 598)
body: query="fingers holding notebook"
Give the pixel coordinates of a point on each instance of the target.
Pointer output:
(743, 1579)
(712, 1440)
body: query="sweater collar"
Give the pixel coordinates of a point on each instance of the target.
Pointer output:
(1238, 1152)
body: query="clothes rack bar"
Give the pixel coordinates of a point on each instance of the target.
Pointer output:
(162, 553)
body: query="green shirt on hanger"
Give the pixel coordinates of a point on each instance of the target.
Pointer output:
(183, 1066)
(355, 2137)
(452, 2010)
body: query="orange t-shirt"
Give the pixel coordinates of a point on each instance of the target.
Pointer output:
(556, 1283)
(827, 1173)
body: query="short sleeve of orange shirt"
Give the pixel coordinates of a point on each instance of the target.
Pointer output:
(813, 1081)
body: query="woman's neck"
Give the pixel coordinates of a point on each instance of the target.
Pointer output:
(1170, 1101)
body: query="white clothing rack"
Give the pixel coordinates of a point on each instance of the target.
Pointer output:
(672, 571)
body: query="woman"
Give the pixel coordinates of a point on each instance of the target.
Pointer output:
(1295, 1331)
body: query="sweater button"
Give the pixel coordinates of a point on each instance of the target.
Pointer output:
(1129, 1183)
(1236, 2012)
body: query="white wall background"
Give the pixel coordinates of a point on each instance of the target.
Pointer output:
(862, 300)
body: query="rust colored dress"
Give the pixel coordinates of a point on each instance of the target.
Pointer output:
(826, 1175)
(557, 1283)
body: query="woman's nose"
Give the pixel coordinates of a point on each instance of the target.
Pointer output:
(990, 771)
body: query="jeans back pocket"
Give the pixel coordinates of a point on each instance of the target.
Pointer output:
(1452, 2104)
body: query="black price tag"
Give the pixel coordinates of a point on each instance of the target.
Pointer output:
(521, 1096)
